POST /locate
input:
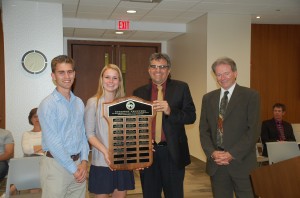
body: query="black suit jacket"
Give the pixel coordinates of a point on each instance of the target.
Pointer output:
(182, 112)
(269, 133)
(241, 129)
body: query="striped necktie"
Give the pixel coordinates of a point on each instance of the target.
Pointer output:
(280, 130)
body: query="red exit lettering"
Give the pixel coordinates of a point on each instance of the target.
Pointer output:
(123, 25)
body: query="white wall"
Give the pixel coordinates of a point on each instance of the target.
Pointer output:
(188, 55)
(229, 35)
(28, 26)
(208, 38)
(296, 129)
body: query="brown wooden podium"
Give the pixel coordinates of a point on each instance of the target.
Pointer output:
(279, 180)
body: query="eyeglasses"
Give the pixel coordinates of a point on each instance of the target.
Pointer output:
(159, 66)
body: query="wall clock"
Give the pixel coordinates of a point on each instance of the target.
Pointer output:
(34, 62)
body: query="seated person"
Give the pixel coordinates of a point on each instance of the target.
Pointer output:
(276, 129)
(31, 143)
(32, 140)
(6, 151)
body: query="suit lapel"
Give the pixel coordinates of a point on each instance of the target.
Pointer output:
(170, 90)
(215, 103)
(273, 125)
(148, 92)
(234, 100)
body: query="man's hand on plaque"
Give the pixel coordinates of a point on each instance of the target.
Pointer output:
(140, 169)
(162, 105)
(153, 146)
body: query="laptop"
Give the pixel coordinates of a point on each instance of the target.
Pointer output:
(279, 151)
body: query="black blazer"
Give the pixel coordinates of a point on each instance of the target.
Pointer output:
(182, 112)
(269, 133)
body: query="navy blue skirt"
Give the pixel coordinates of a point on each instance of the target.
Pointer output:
(104, 181)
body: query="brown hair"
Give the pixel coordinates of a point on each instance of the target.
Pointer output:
(31, 114)
(225, 61)
(159, 56)
(61, 59)
(279, 105)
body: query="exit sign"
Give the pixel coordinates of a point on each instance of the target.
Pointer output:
(123, 25)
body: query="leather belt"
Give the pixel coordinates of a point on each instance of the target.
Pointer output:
(164, 143)
(73, 157)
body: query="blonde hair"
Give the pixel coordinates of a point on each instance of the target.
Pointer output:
(100, 91)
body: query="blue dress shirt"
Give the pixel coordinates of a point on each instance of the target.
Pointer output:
(62, 123)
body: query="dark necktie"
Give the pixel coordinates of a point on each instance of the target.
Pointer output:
(223, 106)
(280, 130)
(158, 121)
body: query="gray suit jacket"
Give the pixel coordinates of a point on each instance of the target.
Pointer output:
(241, 129)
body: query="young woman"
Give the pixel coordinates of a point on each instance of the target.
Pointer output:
(102, 180)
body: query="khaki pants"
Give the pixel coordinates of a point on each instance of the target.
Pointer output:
(57, 182)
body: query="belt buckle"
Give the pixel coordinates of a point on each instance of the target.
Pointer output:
(75, 157)
(48, 154)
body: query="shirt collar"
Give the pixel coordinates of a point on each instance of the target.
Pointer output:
(58, 96)
(230, 90)
(278, 121)
(163, 85)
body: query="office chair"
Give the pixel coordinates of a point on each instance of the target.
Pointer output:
(24, 173)
(259, 158)
(279, 151)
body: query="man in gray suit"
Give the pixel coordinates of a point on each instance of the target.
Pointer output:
(229, 140)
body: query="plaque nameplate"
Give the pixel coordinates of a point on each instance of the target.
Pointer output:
(130, 139)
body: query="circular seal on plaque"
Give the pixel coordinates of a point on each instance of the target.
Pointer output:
(130, 105)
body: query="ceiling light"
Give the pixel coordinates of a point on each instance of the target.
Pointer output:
(131, 11)
(119, 32)
(258, 17)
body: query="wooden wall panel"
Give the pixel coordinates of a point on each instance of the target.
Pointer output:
(275, 68)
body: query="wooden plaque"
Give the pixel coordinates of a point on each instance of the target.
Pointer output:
(130, 139)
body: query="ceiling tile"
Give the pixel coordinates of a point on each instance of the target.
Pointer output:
(168, 11)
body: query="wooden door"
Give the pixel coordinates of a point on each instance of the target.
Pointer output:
(134, 61)
(91, 56)
(89, 61)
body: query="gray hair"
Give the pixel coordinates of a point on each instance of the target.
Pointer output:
(226, 61)
(159, 56)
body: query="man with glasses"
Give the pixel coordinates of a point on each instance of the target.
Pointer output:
(229, 130)
(64, 166)
(174, 105)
